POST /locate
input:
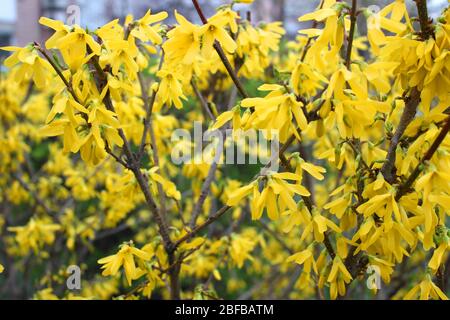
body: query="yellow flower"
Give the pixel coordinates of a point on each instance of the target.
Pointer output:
(306, 81)
(331, 38)
(1, 268)
(438, 254)
(305, 257)
(381, 204)
(341, 205)
(168, 186)
(30, 65)
(45, 294)
(443, 243)
(433, 180)
(63, 127)
(378, 21)
(126, 258)
(276, 111)
(111, 31)
(425, 290)
(66, 105)
(121, 53)
(278, 195)
(237, 195)
(320, 225)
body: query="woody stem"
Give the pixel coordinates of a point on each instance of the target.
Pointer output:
(351, 36)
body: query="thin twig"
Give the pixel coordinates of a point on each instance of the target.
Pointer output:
(388, 169)
(148, 105)
(348, 59)
(116, 157)
(134, 165)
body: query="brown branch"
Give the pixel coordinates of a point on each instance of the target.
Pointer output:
(402, 190)
(148, 105)
(202, 100)
(162, 195)
(200, 12)
(203, 194)
(424, 20)
(412, 103)
(328, 246)
(58, 71)
(116, 157)
(212, 170)
(202, 226)
(348, 58)
(276, 237)
(148, 108)
(240, 88)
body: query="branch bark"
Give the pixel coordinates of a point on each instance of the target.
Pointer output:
(221, 53)
(388, 169)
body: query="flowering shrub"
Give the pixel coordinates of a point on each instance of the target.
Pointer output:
(87, 176)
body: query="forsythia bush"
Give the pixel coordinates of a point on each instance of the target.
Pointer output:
(362, 191)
